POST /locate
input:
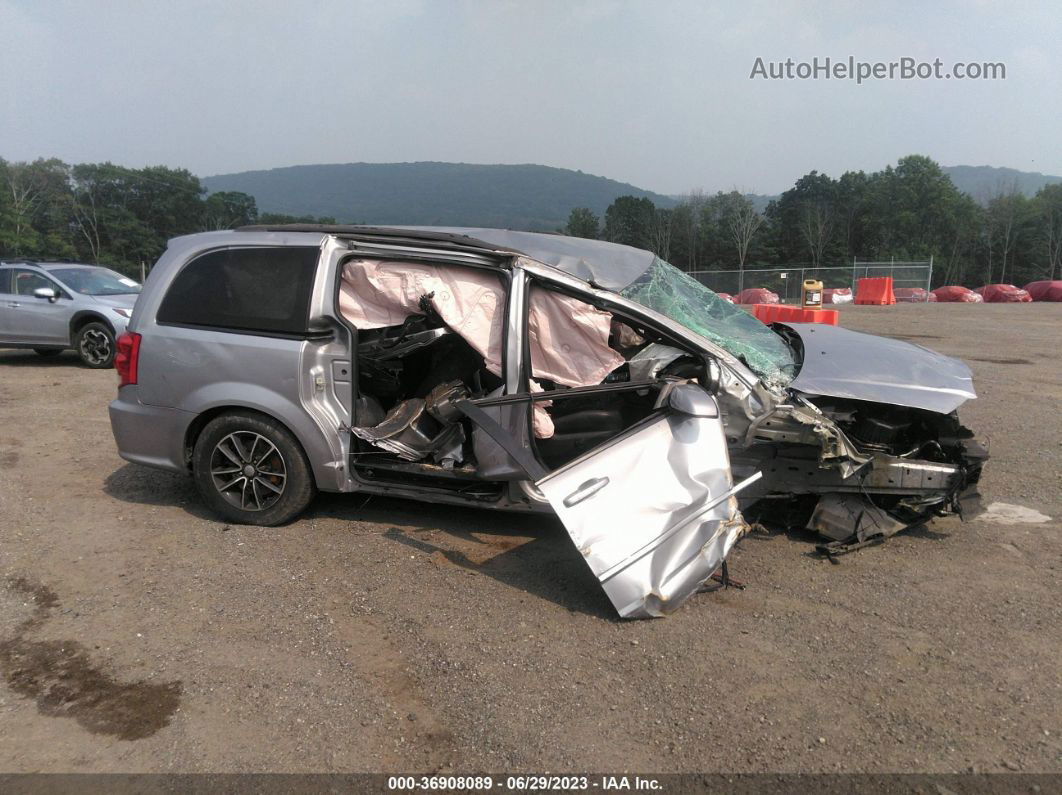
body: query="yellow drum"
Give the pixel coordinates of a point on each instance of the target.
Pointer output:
(811, 294)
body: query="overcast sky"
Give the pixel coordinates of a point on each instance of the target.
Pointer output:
(653, 93)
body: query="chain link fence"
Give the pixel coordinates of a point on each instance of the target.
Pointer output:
(786, 281)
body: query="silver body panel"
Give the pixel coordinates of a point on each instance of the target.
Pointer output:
(652, 512)
(839, 362)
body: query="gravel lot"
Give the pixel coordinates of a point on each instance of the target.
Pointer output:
(139, 634)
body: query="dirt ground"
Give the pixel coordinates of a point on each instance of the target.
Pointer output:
(139, 634)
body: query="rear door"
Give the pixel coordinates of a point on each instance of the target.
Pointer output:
(652, 511)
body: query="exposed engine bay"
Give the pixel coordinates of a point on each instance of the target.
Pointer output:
(856, 472)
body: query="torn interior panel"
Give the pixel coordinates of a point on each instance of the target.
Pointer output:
(412, 434)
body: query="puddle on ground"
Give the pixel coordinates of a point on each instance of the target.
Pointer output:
(1005, 513)
(60, 676)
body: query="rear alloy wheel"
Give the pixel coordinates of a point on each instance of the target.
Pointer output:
(251, 470)
(95, 345)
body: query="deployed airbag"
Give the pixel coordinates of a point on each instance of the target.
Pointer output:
(569, 340)
(568, 337)
(375, 294)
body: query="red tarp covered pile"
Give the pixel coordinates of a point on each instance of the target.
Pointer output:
(1045, 290)
(726, 297)
(837, 295)
(756, 295)
(1003, 294)
(913, 295)
(955, 293)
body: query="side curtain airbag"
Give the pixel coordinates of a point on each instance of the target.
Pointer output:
(568, 337)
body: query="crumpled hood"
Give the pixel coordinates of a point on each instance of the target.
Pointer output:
(123, 301)
(848, 364)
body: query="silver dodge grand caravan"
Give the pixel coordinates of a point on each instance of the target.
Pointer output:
(535, 372)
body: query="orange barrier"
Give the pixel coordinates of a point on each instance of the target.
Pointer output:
(875, 292)
(780, 313)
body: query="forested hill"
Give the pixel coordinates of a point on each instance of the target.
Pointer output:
(984, 183)
(981, 183)
(447, 194)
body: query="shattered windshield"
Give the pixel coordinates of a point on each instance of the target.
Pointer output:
(669, 291)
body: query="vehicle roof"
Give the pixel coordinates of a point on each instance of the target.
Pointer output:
(72, 266)
(47, 265)
(609, 265)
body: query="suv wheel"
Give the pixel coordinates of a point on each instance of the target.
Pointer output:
(251, 470)
(95, 345)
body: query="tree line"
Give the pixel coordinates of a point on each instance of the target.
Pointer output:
(110, 215)
(122, 217)
(911, 211)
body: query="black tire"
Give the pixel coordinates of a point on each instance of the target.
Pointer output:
(47, 353)
(219, 464)
(94, 343)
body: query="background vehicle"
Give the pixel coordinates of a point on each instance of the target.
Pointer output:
(524, 371)
(52, 306)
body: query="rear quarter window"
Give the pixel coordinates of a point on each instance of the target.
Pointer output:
(244, 289)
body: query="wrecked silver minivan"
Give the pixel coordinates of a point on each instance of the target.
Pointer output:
(531, 372)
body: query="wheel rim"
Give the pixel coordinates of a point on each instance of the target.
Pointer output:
(248, 471)
(95, 346)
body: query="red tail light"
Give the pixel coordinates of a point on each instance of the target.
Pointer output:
(127, 348)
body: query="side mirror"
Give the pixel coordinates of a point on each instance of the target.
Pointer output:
(692, 400)
(49, 293)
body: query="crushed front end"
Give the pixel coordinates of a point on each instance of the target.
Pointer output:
(856, 472)
(866, 443)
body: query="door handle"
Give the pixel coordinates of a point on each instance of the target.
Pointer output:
(585, 491)
(14, 304)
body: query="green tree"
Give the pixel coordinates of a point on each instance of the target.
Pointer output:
(959, 251)
(32, 221)
(228, 210)
(630, 220)
(1047, 206)
(803, 220)
(582, 223)
(1008, 221)
(731, 221)
(910, 207)
(851, 196)
(107, 228)
(685, 232)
